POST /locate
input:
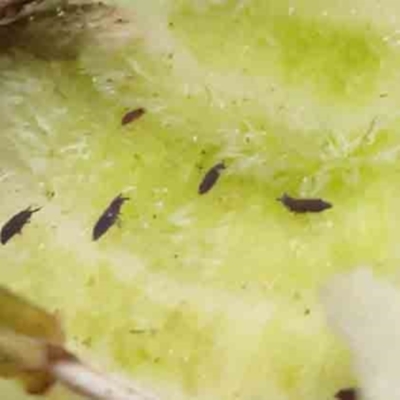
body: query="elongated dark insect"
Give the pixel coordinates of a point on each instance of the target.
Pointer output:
(109, 217)
(132, 115)
(211, 178)
(346, 394)
(15, 224)
(302, 206)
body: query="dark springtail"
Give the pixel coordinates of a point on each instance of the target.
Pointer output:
(15, 224)
(346, 394)
(109, 217)
(302, 206)
(211, 178)
(132, 115)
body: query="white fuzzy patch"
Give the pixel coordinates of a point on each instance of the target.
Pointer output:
(365, 311)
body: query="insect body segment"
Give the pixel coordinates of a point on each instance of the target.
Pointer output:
(211, 178)
(301, 206)
(109, 217)
(15, 224)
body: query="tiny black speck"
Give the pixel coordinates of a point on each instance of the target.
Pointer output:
(50, 194)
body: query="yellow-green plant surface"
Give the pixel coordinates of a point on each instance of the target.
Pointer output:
(213, 296)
